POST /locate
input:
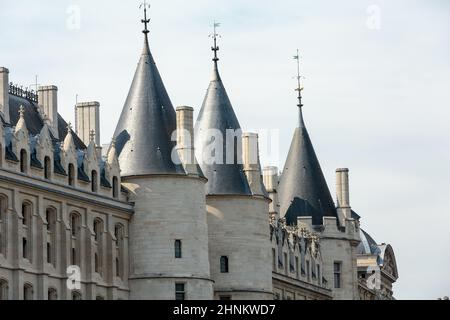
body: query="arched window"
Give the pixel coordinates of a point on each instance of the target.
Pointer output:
(76, 295)
(50, 215)
(23, 161)
(98, 229)
(52, 294)
(71, 174)
(27, 225)
(27, 292)
(119, 234)
(94, 181)
(3, 225)
(115, 187)
(224, 264)
(75, 223)
(4, 289)
(47, 168)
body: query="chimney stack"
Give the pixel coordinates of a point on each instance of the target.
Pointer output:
(48, 100)
(4, 93)
(343, 194)
(270, 175)
(185, 138)
(252, 168)
(87, 117)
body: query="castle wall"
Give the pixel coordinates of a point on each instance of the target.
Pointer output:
(238, 229)
(168, 208)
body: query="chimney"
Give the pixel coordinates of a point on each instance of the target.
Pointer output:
(48, 100)
(4, 93)
(343, 196)
(185, 138)
(87, 115)
(270, 176)
(250, 158)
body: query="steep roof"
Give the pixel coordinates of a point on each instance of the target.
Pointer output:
(303, 190)
(217, 113)
(143, 133)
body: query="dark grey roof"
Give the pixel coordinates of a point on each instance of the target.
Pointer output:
(367, 245)
(143, 133)
(217, 113)
(34, 121)
(303, 190)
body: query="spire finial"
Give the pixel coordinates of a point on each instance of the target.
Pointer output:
(145, 21)
(215, 35)
(69, 128)
(21, 111)
(299, 77)
(92, 135)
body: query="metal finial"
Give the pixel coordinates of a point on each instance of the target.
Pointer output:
(299, 77)
(21, 111)
(215, 35)
(145, 21)
(92, 135)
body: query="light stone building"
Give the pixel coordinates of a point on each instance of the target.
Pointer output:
(148, 217)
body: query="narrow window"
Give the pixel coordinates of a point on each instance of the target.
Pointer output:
(75, 224)
(76, 295)
(180, 293)
(308, 270)
(224, 264)
(73, 257)
(97, 229)
(52, 294)
(94, 181)
(3, 290)
(3, 226)
(96, 263)
(178, 249)
(24, 248)
(28, 292)
(115, 187)
(297, 275)
(337, 274)
(49, 253)
(319, 277)
(274, 260)
(47, 168)
(23, 161)
(117, 267)
(71, 174)
(286, 262)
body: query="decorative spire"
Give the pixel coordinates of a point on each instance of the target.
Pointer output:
(215, 35)
(21, 111)
(145, 21)
(92, 135)
(299, 89)
(69, 128)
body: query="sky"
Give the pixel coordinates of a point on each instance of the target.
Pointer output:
(377, 92)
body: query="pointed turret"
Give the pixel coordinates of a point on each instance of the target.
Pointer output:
(143, 133)
(220, 164)
(303, 190)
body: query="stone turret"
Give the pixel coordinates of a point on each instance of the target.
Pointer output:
(239, 239)
(168, 232)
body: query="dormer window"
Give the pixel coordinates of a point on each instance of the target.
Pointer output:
(23, 161)
(47, 168)
(71, 175)
(94, 181)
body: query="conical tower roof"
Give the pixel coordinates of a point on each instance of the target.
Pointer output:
(217, 116)
(143, 133)
(303, 190)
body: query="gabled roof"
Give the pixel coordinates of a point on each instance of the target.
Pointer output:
(143, 133)
(303, 190)
(217, 113)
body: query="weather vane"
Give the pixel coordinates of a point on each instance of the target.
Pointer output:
(145, 21)
(215, 35)
(299, 77)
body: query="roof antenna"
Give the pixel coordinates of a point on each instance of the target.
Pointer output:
(215, 35)
(299, 89)
(145, 21)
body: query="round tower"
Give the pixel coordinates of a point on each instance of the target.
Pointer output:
(168, 243)
(237, 211)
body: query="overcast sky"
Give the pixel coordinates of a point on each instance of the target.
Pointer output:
(377, 92)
